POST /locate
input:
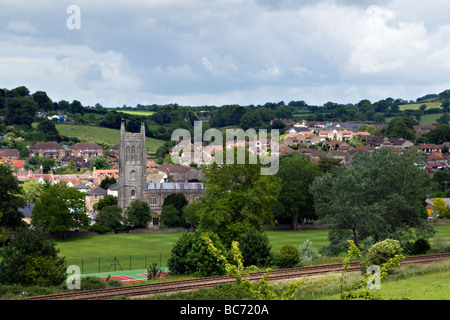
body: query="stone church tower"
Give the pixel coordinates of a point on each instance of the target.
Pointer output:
(132, 167)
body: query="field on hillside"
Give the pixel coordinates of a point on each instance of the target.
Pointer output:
(416, 106)
(102, 135)
(427, 119)
(136, 112)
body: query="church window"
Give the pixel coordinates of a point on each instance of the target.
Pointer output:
(152, 200)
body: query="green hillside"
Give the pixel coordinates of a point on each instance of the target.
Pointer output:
(102, 135)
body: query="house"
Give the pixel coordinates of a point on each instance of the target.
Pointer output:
(362, 134)
(325, 134)
(344, 135)
(175, 173)
(401, 143)
(336, 154)
(85, 150)
(360, 150)
(311, 138)
(336, 144)
(102, 174)
(422, 129)
(429, 148)
(292, 139)
(8, 155)
(93, 196)
(436, 161)
(47, 150)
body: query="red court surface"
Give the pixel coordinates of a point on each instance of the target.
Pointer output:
(123, 279)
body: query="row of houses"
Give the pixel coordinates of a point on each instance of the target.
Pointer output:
(83, 150)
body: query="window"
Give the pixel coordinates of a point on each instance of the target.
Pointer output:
(133, 194)
(152, 200)
(155, 221)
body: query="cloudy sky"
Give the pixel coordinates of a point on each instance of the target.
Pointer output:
(216, 52)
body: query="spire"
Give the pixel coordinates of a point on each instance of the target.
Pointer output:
(122, 127)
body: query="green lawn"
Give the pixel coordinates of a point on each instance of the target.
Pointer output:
(102, 135)
(156, 247)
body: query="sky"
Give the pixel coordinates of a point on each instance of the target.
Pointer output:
(217, 52)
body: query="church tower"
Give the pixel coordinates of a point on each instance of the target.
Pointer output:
(132, 166)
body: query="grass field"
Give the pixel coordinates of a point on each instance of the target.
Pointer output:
(157, 246)
(102, 135)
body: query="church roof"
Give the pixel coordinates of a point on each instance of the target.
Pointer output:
(175, 186)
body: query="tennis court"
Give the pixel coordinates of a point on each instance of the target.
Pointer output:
(127, 276)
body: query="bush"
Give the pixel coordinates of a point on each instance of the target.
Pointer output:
(380, 253)
(288, 256)
(177, 260)
(200, 260)
(420, 246)
(94, 283)
(255, 249)
(191, 255)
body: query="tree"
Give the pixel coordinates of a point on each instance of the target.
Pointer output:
(295, 201)
(107, 182)
(31, 259)
(289, 256)
(138, 214)
(106, 201)
(60, 208)
(110, 217)
(401, 128)
(32, 190)
(47, 130)
(44, 102)
(11, 199)
(171, 217)
(381, 195)
(237, 199)
(440, 208)
(21, 111)
(177, 260)
(438, 135)
(255, 249)
(191, 255)
(100, 163)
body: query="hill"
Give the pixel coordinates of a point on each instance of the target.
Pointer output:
(101, 135)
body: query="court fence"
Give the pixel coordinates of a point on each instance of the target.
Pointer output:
(116, 263)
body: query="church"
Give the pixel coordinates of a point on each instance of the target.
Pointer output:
(133, 183)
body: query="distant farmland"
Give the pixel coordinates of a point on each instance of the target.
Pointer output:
(416, 106)
(137, 112)
(102, 135)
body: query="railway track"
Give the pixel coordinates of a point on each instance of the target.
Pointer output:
(185, 285)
